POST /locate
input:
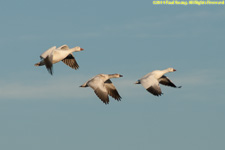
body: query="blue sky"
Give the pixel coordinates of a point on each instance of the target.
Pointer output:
(40, 111)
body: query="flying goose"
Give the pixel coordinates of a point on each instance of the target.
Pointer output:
(103, 86)
(151, 81)
(62, 53)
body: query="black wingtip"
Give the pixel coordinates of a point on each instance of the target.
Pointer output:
(50, 71)
(106, 103)
(118, 98)
(154, 91)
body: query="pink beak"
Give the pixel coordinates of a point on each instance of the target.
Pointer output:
(81, 49)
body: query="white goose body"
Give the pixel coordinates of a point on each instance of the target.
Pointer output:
(103, 86)
(55, 55)
(151, 81)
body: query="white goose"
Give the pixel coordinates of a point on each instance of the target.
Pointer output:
(103, 86)
(54, 55)
(151, 81)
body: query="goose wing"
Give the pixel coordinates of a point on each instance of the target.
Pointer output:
(64, 47)
(102, 95)
(151, 85)
(97, 84)
(47, 52)
(166, 81)
(112, 90)
(48, 64)
(71, 62)
(155, 90)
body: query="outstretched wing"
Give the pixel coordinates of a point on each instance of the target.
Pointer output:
(166, 81)
(151, 85)
(155, 90)
(48, 64)
(47, 52)
(71, 62)
(112, 90)
(97, 85)
(64, 47)
(102, 95)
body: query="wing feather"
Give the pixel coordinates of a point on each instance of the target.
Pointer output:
(155, 90)
(64, 47)
(166, 81)
(112, 90)
(71, 62)
(48, 64)
(151, 84)
(102, 95)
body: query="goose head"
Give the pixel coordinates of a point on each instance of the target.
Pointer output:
(116, 75)
(171, 69)
(77, 49)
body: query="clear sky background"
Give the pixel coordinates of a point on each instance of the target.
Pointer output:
(43, 112)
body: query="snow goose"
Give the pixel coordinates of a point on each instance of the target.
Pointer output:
(62, 53)
(151, 81)
(103, 86)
